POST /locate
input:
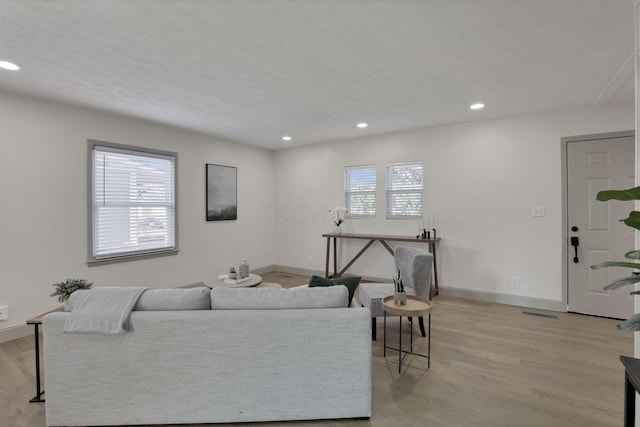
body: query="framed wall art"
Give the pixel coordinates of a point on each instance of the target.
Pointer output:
(222, 193)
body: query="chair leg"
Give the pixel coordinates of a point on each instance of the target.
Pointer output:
(373, 328)
(421, 321)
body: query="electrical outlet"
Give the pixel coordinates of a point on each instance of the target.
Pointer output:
(4, 312)
(537, 211)
(515, 282)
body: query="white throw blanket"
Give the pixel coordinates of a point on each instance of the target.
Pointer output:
(103, 310)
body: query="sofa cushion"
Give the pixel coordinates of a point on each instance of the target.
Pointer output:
(174, 299)
(273, 299)
(351, 283)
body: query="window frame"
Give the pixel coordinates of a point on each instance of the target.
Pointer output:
(388, 191)
(349, 214)
(92, 260)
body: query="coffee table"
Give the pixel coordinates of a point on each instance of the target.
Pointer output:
(415, 307)
(254, 280)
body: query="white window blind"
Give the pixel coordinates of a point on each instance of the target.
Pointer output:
(133, 202)
(404, 190)
(360, 191)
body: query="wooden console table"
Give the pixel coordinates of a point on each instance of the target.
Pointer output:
(372, 238)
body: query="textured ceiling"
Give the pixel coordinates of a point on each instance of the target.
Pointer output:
(253, 71)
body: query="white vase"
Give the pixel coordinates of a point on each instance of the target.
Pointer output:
(400, 298)
(337, 229)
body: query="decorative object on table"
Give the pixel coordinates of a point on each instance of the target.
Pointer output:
(633, 221)
(399, 293)
(221, 193)
(66, 288)
(337, 218)
(243, 269)
(425, 234)
(232, 273)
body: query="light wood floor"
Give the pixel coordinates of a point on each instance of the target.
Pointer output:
(491, 365)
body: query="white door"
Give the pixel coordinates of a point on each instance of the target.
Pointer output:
(594, 165)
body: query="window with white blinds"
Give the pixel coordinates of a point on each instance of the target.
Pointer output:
(133, 201)
(360, 191)
(404, 190)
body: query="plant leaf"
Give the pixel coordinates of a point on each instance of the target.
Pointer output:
(632, 254)
(633, 220)
(634, 293)
(615, 264)
(630, 194)
(631, 324)
(622, 282)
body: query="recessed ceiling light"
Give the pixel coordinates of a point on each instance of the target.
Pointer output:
(286, 138)
(478, 106)
(362, 125)
(9, 66)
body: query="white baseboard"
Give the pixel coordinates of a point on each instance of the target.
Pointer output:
(517, 300)
(15, 332)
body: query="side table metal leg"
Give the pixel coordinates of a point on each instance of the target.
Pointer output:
(384, 334)
(400, 346)
(429, 345)
(38, 397)
(411, 337)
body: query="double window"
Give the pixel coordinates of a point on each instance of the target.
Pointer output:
(132, 202)
(405, 184)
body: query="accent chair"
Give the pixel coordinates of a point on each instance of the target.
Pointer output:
(415, 267)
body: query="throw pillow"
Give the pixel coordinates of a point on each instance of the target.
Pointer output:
(351, 282)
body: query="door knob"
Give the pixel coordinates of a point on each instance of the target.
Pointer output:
(575, 242)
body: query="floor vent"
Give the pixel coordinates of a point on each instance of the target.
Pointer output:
(531, 313)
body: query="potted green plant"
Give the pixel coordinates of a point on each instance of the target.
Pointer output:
(633, 323)
(65, 288)
(399, 293)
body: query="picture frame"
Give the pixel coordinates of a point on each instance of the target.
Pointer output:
(222, 193)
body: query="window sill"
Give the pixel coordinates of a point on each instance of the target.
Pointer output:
(389, 216)
(126, 258)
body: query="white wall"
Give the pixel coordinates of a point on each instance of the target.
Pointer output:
(43, 204)
(482, 179)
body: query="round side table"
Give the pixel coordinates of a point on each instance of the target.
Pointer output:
(415, 307)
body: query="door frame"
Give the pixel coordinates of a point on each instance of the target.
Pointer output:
(565, 183)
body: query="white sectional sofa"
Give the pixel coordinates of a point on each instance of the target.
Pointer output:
(214, 356)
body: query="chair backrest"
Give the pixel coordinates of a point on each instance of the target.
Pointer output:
(415, 269)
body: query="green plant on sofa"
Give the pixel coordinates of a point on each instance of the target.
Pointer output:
(65, 288)
(633, 323)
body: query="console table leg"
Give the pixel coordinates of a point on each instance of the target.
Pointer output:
(38, 397)
(326, 267)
